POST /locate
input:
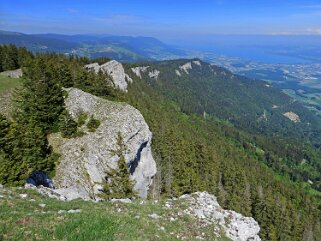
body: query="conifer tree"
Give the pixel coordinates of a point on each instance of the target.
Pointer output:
(41, 99)
(117, 181)
(67, 126)
(10, 57)
(4, 130)
(1, 58)
(26, 149)
(64, 76)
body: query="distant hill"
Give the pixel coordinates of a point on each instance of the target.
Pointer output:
(122, 48)
(252, 105)
(37, 43)
(281, 132)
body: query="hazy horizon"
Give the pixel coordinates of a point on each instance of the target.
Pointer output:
(165, 20)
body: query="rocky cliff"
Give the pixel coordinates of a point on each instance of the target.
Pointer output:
(84, 160)
(115, 70)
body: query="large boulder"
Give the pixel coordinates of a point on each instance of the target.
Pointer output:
(204, 206)
(85, 160)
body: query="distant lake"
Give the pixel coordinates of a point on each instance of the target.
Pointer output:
(259, 55)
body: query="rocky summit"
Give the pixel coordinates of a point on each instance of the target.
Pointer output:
(84, 160)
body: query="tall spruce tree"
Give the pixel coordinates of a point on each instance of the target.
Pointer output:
(117, 182)
(41, 99)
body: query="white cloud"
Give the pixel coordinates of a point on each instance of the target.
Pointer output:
(316, 31)
(307, 31)
(281, 33)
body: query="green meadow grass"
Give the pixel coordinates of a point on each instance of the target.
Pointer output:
(7, 83)
(22, 219)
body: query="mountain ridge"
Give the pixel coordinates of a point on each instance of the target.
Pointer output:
(121, 48)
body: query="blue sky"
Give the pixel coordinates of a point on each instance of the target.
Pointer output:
(164, 19)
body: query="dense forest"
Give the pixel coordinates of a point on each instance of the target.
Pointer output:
(250, 172)
(290, 148)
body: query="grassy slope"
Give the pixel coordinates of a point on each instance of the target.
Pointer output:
(22, 219)
(7, 85)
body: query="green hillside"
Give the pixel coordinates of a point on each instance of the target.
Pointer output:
(253, 107)
(246, 103)
(257, 174)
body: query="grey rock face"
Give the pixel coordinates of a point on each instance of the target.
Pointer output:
(237, 227)
(139, 70)
(85, 160)
(292, 116)
(154, 74)
(115, 70)
(186, 67)
(13, 73)
(197, 62)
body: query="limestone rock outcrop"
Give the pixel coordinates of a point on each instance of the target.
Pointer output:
(187, 66)
(13, 73)
(139, 70)
(115, 70)
(204, 206)
(292, 117)
(154, 74)
(84, 160)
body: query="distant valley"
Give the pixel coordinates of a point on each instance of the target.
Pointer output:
(301, 81)
(291, 63)
(278, 60)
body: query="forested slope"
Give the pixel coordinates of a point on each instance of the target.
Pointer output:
(291, 147)
(193, 153)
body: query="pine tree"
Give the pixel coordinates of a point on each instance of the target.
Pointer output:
(1, 58)
(67, 126)
(117, 181)
(41, 99)
(10, 57)
(26, 149)
(64, 76)
(4, 130)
